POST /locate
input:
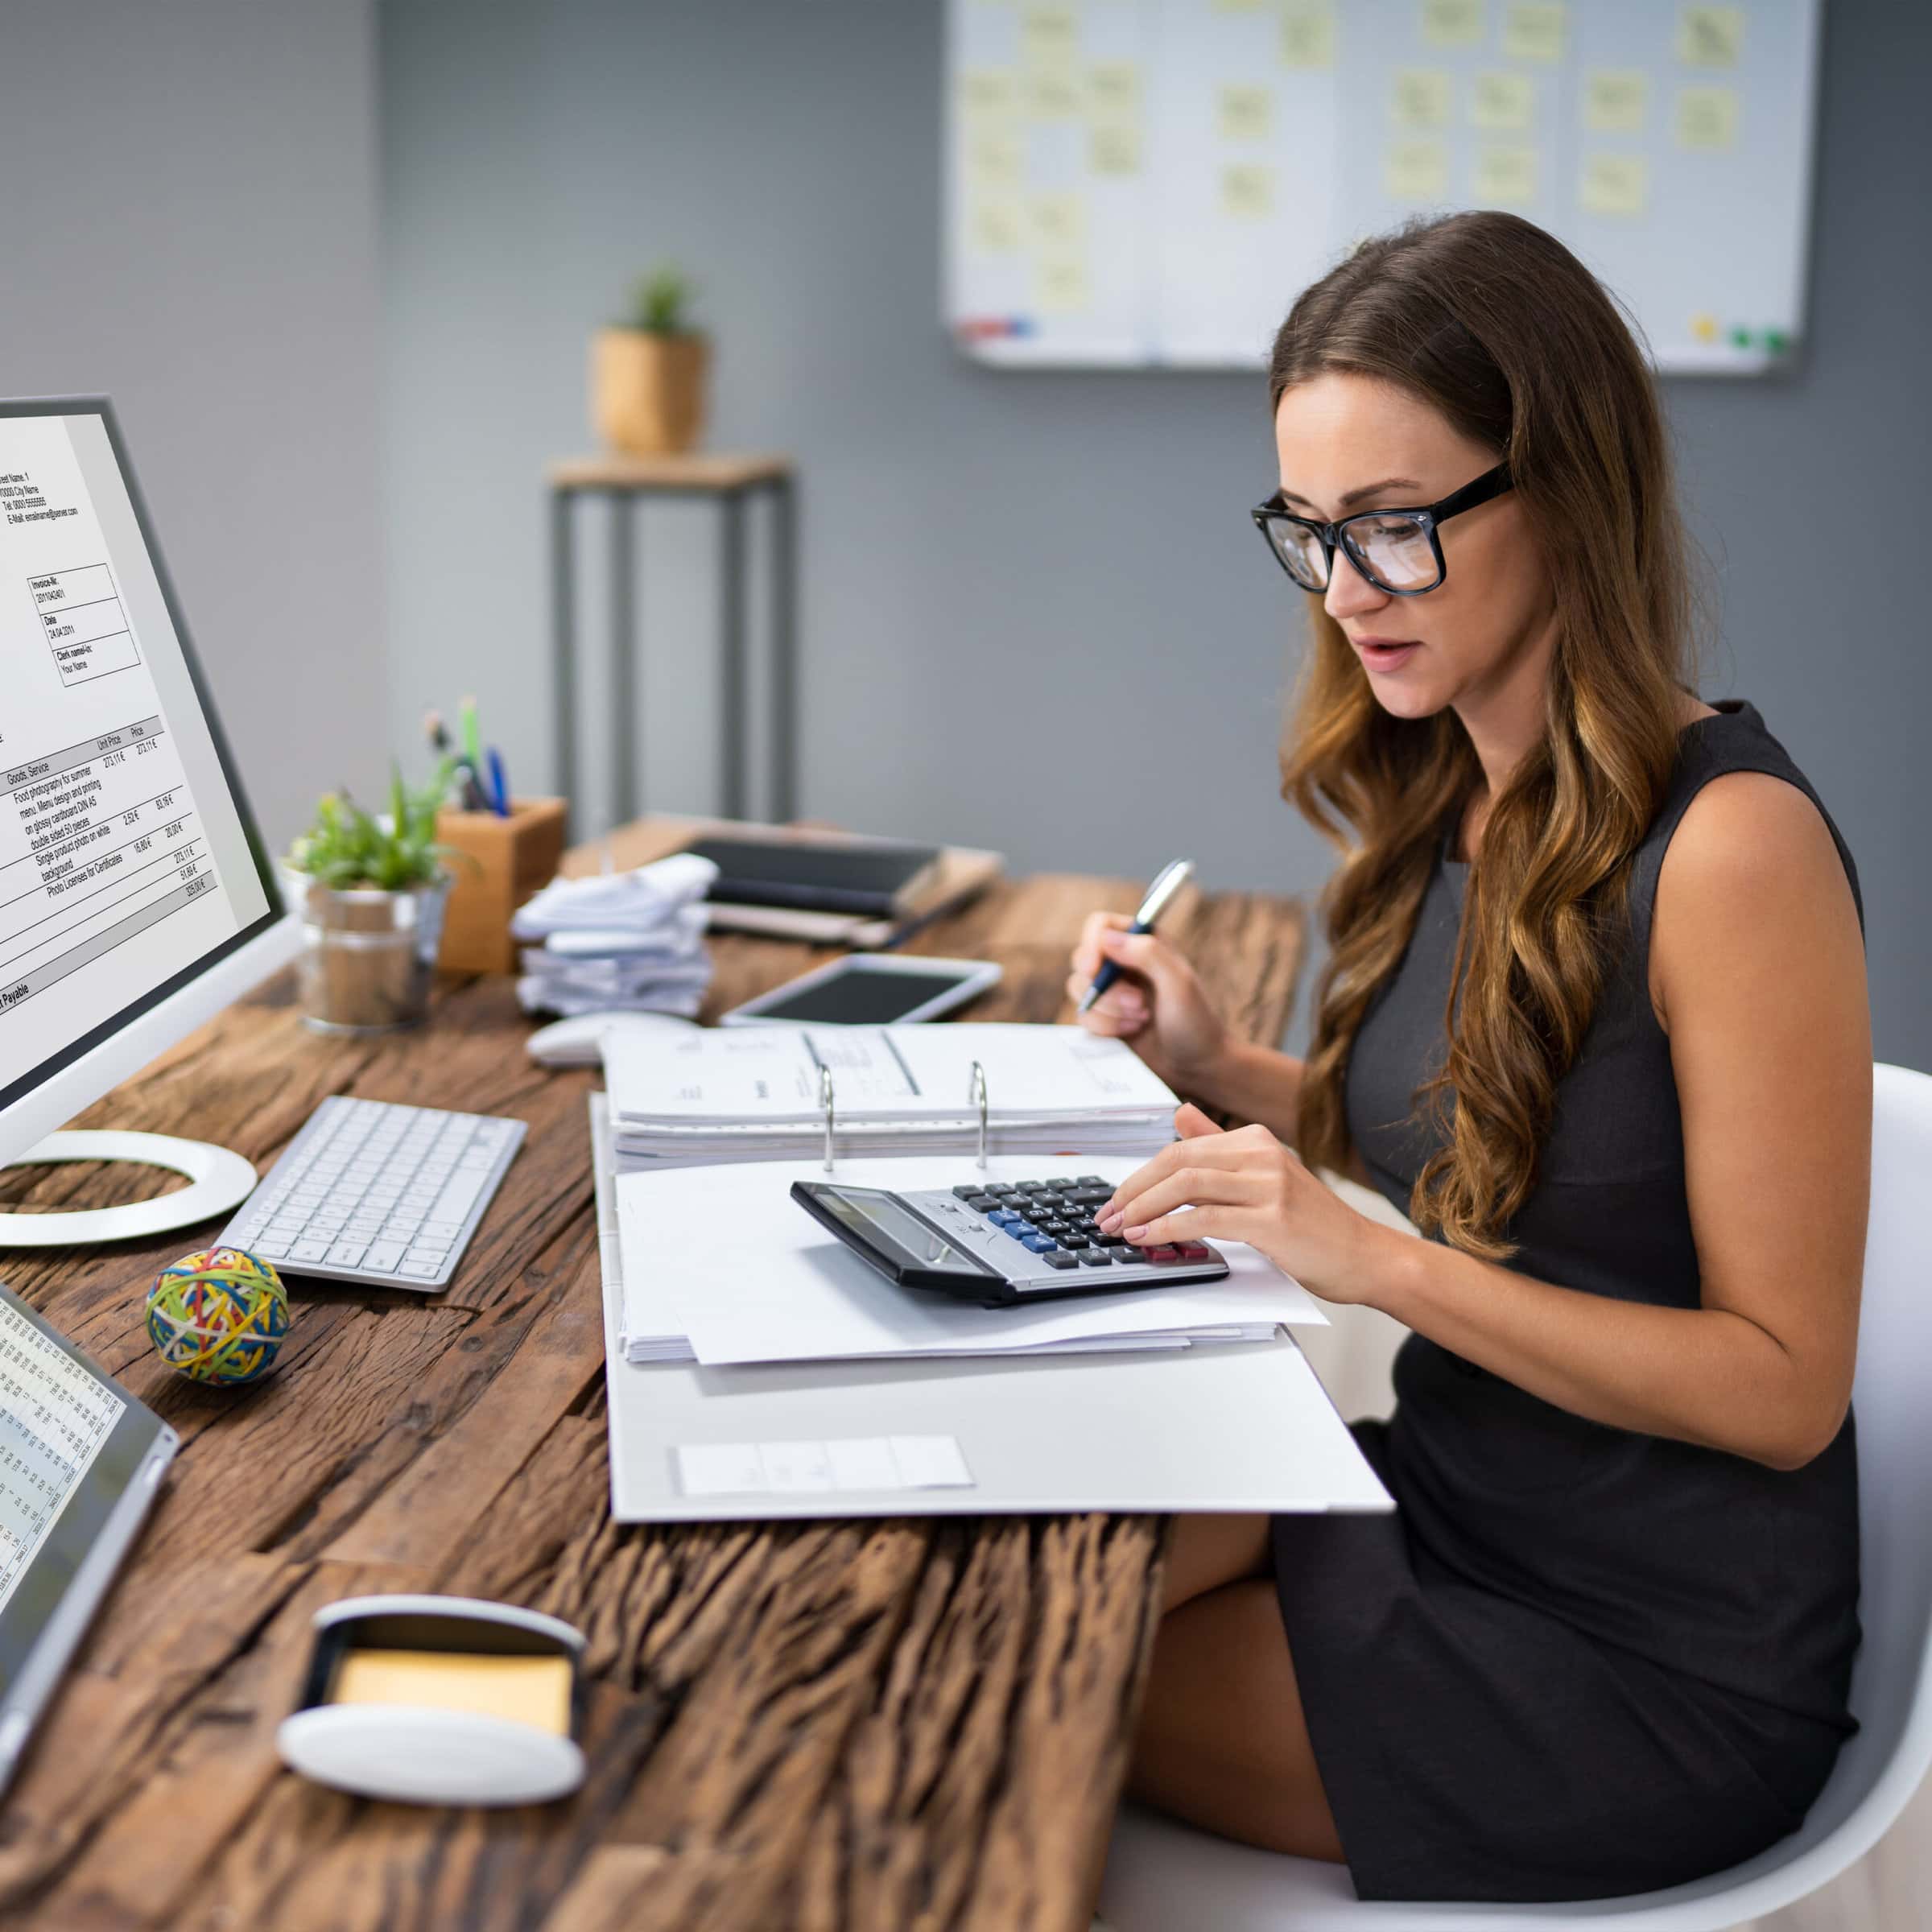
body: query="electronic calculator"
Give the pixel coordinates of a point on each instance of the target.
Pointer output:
(999, 1243)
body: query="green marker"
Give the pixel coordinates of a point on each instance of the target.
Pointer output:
(473, 739)
(1776, 341)
(1740, 338)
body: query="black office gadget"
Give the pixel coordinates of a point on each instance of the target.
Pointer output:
(870, 989)
(871, 878)
(80, 1461)
(999, 1243)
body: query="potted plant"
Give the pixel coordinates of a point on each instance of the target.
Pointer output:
(369, 893)
(648, 371)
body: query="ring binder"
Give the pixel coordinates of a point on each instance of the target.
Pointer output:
(976, 1093)
(825, 1097)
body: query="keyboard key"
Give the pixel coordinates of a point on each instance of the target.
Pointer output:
(1162, 1254)
(1193, 1251)
(383, 1256)
(1056, 1257)
(1074, 1241)
(968, 1193)
(1056, 1185)
(1096, 1257)
(1092, 1180)
(347, 1254)
(1040, 1243)
(308, 1251)
(420, 1271)
(444, 1231)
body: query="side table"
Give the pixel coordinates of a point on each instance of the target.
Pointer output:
(730, 482)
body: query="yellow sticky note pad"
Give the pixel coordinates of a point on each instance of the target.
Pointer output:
(1057, 220)
(1614, 99)
(994, 160)
(988, 91)
(1243, 112)
(1703, 325)
(1452, 22)
(1533, 30)
(996, 226)
(1247, 190)
(1050, 36)
(1307, 33)
(1710, 36)
(1614, 184)
(1706, 118)
(1054, 96)
(1114, 148)
(1418, 97)
(1502, 101)
(1505, 175)
(1237, 7)
(1113, 88)
(1060, 284)
(533, 1691)
(1415, 170)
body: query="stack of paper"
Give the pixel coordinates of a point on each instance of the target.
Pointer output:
(722, 1266)
(625, 942)
(755, 1093)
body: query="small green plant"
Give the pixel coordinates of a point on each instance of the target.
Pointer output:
(346, 848)
(661, 302)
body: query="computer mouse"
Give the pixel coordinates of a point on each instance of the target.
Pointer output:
(579, 1040)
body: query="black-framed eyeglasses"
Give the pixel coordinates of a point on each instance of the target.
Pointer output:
(1397, 551)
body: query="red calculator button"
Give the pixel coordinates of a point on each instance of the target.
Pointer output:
(1193, 1251)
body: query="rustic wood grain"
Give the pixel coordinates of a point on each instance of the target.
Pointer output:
(904, 1726)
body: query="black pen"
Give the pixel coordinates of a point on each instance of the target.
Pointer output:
(1167, 882)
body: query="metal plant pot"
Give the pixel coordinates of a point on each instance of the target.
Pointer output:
(369, 956)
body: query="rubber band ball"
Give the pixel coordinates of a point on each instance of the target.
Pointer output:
(218, 1316)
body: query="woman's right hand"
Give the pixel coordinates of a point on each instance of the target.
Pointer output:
(1158, 1004)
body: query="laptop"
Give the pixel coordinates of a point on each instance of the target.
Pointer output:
(80, 1462)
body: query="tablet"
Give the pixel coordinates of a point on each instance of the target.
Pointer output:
(870, 989)
(80, 1462)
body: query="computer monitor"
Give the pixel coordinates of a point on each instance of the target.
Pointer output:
(136, 899)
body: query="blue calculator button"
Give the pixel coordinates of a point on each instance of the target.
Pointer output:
(1040, 1243)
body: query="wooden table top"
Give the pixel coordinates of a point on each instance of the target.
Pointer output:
(869, 1724)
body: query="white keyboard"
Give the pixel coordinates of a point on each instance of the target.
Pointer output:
(371, 1191)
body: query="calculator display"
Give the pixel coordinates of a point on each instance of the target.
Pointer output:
(879, 1220)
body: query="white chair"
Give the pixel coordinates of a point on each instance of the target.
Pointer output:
(1164, 1876)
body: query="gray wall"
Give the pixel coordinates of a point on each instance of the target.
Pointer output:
(1035, 615)
(188, 224)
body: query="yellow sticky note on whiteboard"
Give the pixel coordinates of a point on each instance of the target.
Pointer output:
(1114, 148)
(1113, 87)
(1710, 36)
(1058, 219)
(1050, 36)
(994, 160)
(997, 227)
(1614, 100)
(1614, 184)
(1247, 190)
(1418, 97)
(1415, 170)
(1706, 118)
(1452, 22)
(988, 91)
(1243, 112)
(1533, 30)
(1053, 95)
(1307, 33)
(1500, 102)
(1505, 173)
(1060, 284)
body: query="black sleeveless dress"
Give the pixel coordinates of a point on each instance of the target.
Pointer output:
(1578, 1661)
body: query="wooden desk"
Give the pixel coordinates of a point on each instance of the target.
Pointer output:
(866, 1725)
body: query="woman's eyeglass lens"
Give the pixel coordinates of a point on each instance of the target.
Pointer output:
(1397, 551)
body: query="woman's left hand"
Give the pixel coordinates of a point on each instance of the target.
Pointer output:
(1245, 1186)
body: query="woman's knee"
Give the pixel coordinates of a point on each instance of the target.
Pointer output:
(1205, 1552)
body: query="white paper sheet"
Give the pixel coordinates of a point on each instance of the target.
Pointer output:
(723, 1256)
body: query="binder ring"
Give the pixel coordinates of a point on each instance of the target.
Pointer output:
(825, 1096)
(976, 1093)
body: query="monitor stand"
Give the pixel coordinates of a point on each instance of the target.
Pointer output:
(218, 1180)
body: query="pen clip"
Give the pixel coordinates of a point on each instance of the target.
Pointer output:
(976, 1093)
(825, 1098)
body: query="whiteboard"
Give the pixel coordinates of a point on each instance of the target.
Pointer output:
(1142, 183)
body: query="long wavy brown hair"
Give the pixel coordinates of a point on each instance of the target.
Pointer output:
(1501, 327)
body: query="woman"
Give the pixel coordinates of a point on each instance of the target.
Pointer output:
(1594, 1018)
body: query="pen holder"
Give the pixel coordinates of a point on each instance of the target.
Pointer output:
(503, 862)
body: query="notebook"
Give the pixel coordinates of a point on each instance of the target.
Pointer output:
(757, 1093)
